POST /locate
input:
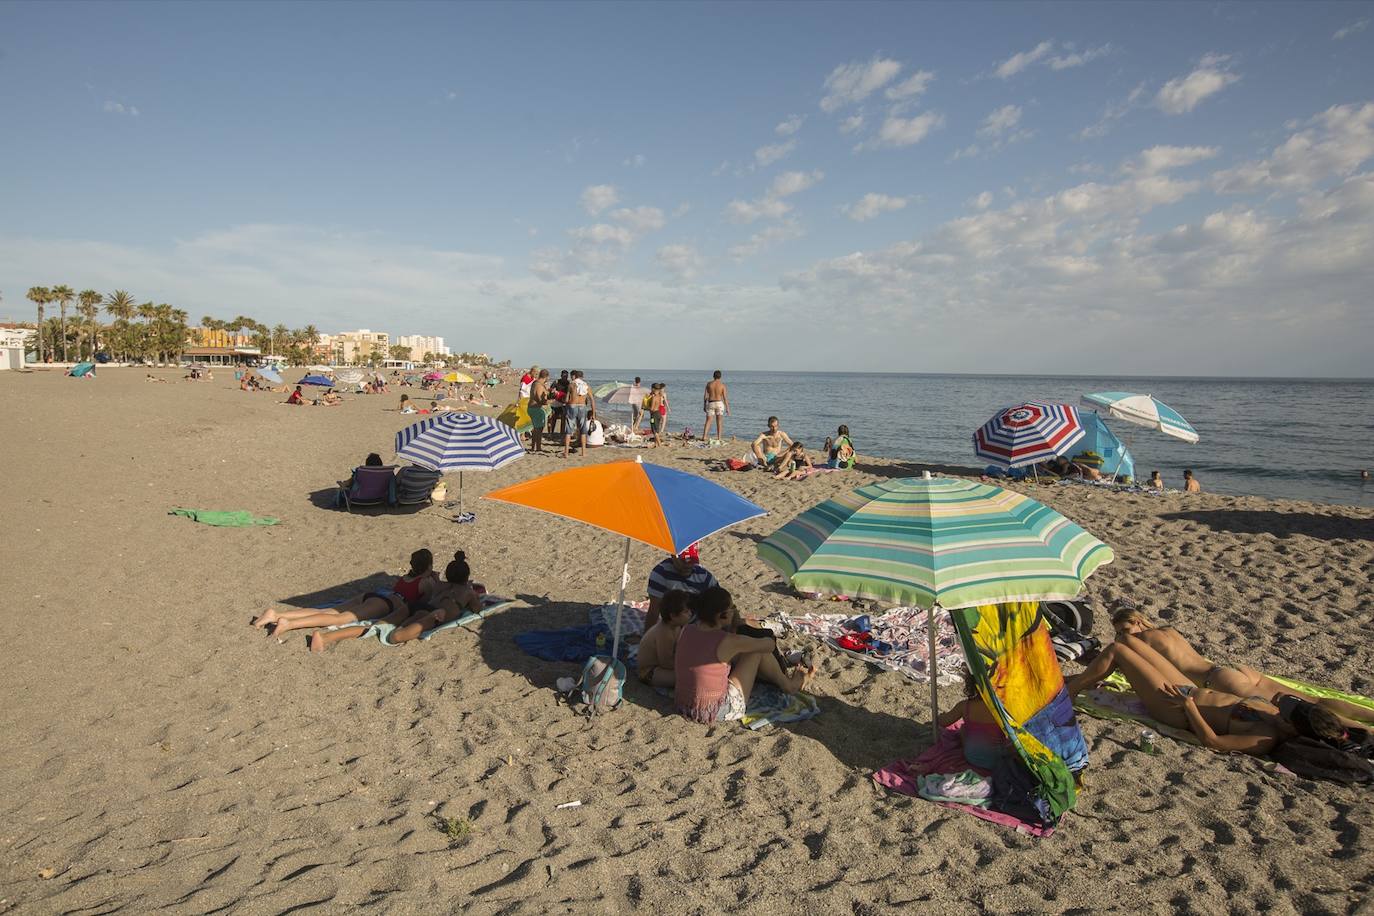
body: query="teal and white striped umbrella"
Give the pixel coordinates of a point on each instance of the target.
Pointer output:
(1143, 410)
(923, 541)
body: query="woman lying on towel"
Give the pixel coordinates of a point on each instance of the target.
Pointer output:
(408, 592)
(716, 669)
(1221, 721)
(1239, 680)
(445, 602)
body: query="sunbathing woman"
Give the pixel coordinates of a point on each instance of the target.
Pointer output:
(450, 600)
(658, 648)
(716, 669)
(1240, 680)
(1221, 721)
(409, 591)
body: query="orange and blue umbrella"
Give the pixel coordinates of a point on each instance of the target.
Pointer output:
(649, 503)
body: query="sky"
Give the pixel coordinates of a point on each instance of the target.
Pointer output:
(1116, 188)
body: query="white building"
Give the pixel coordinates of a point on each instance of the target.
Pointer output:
(14, 340)
(420, 345)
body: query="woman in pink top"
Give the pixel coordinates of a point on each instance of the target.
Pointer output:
(716, 669)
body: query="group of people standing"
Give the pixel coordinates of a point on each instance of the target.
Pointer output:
(565, 404)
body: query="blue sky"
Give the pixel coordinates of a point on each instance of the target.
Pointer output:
(1143, 188)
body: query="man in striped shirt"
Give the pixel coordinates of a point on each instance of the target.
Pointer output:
(681, 572)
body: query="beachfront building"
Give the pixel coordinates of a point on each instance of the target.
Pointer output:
(361, 346)
(420, 345)
(15, 339)
(214, 347)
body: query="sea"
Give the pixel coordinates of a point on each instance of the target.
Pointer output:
(1285, 438)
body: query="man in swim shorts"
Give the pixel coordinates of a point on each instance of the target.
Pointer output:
(716, 403)
(770, 444)
(538, 411)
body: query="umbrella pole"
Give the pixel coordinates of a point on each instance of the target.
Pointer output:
(460, 494)
(932, 671)
(620, 603)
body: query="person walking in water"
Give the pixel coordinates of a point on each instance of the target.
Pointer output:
(716, 403)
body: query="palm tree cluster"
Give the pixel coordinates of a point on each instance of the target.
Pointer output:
(297, 345)
(148, 331)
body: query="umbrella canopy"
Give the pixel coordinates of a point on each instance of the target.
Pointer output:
(434, 376)
(457, 377)
(320, 369)
(1028, 434)
(938, 540)
(317, 380)
(349, 376)
(658, 506)
(517, 416)
(459, 442)
(603, 390)
(620, 395)
(272, 375)
(1143, 410)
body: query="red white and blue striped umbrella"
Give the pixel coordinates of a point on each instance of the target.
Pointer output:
(459, 442)
(1028, 434)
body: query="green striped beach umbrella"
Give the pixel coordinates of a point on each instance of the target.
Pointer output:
(928, 541)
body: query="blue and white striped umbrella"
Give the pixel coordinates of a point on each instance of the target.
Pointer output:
(459, 442)
(1143, 410)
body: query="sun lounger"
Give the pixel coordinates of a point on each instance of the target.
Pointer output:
(415, 485)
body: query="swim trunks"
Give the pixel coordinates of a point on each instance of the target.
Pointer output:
(656, 422)
(538, 417)
(575, 416)
(715, 408)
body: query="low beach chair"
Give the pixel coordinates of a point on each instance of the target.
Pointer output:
(415, 485)
(370, 486)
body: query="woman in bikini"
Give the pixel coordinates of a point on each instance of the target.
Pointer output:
(1221, 721)
(1238, 680)
(716, 669)
(408, 592)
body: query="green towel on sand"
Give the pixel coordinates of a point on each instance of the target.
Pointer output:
(232, 518)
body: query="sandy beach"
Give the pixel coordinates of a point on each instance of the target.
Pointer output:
(159, 753)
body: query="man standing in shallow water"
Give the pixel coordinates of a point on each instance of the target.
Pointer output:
(716, 403)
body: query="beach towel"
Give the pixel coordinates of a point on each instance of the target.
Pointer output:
(1013, 665)
(570, 644)
(631, 621)
(771, 705)
(230, 518)
(946, 756)
(382, 630)
(895, 641)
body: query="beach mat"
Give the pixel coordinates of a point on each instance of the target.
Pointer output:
(904, 629)
(771, 705)
(228, 518)
(947, 756)
(490, 605)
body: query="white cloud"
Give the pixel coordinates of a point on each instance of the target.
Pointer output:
(1333, 144)
(983, 201)
(640, 219)
(113, 107)
(451, 95)
(999, 129)
(1353, 29)
(1114, 112)
(635, 162)
(914, 85)
(871, 205)
(1000, 122)
(898, 131)
(1184, 93)
(1159, 159)
(789, 183)
(765, 238)
(682, 262)
(1020, 61)
(771, 205)
(602, 234)
(598, 197)
(767, 155)
(1044, 53)
(851, 83)
(851, 124)
(789, 125)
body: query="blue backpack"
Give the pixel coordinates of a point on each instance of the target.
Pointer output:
(602, 686)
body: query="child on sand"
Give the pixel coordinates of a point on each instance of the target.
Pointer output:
(794, 463)
(410, 591)
(981, 734)
(659, 646)
(1156, 482)
(1190, 484)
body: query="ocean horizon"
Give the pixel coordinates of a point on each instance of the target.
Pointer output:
(1286, 438)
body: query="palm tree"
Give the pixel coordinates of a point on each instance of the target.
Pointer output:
(177, 330)
(278, 333)
(89, 309)
(121, 305)
(40, 296)
(63, 295)
(147, 312)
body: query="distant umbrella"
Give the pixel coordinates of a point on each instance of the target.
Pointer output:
(1143, 410)
(603, 390)
(272, 375)
(1028, 434)
(317, 380)
(459, 442)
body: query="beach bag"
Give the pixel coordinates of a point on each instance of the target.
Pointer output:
(1068, 621)
(602, 686)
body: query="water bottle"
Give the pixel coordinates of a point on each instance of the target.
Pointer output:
(1147, 742)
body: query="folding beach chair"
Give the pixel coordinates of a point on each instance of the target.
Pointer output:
(415, 485)
(371, 486)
